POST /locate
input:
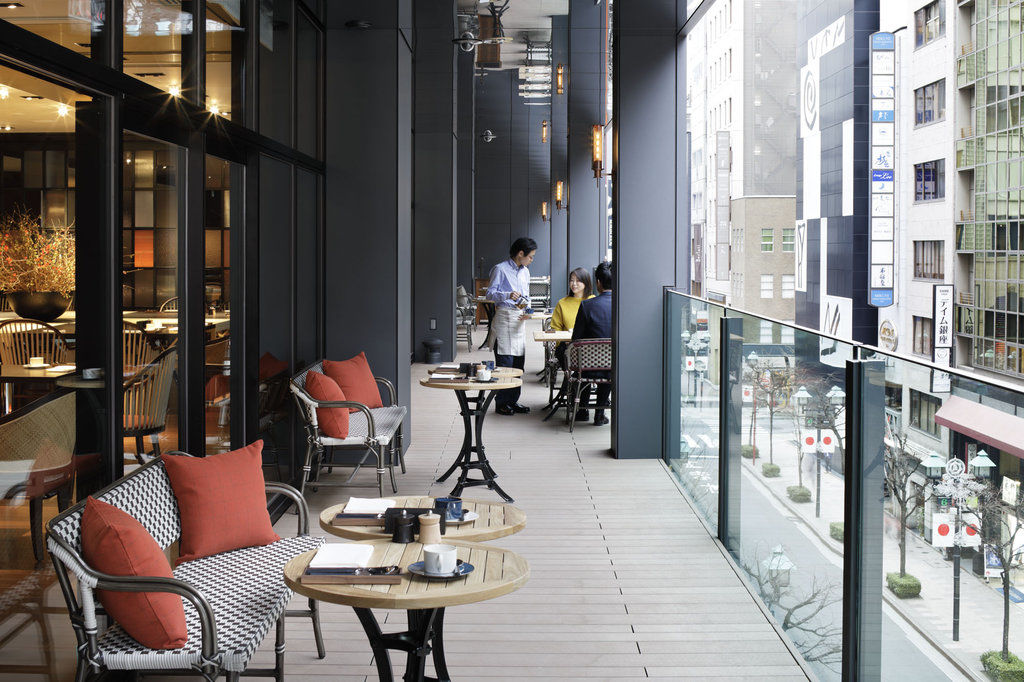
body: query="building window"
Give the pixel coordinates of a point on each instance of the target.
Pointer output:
(928, 260)
(767, 239)
(766, 331)
(930, 180)
(787, 335)
(767, 286)
(930, 103)
(923, 335)
(788, 239)
(922, 412)
(788, 286)
(930, 22)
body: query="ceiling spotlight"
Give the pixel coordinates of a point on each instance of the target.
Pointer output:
(7, 128)
(4, 92)
(31, 97)
(214, 108)
(13, 5)
(62, 110)
(174, 90)
(488, 136)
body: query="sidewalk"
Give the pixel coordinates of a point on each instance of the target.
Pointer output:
(981, 607)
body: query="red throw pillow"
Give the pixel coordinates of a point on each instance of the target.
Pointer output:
(114, 542)
(333, 421)
(271, 366)
(356, 380)
(221, 501)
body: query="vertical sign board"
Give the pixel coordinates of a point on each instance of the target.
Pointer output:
(883, 170)
(942, 335)
(723, 154)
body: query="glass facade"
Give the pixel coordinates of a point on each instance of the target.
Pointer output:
(140, 275)
(989, 164)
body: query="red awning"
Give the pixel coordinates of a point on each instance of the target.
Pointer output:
(990, 426)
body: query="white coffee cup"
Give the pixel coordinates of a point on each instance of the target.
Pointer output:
(483, 374)
(36, 361)
(440, 559)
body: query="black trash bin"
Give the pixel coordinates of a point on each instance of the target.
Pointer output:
(433, 350)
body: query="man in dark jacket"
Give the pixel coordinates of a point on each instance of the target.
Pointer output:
(594, 321)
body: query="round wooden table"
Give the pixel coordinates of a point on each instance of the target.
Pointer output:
(496, 521)
(497, 572)
(473, 423)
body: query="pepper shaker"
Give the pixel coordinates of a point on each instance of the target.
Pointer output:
(403, 529)
(430, 529)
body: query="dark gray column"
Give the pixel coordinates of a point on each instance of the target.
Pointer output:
(558, 135)
(465, 169)
(493, 170)
(645, 213)
(368, 190)
(529, 175)
(586, 92)
(434, 187)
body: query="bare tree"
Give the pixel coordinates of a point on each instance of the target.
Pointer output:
(772, 383)
(802, 610)
(820, 403)
(1003, 522)
(899, 468)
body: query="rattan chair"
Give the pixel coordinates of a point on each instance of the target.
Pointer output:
(138, 351)
(465, 317)
(170, 305)
(37, 445)
(586, 358)
(23, 339)
(146, 397)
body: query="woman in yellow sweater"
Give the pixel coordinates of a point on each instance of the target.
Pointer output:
(563, 319)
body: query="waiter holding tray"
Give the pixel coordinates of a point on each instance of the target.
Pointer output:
(510, 292)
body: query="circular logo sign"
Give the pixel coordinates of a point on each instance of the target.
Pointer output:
(827, 440)
(971, 530)
(809, 440)
(955, 467)
(810, 101)
(887, 337)
(943, 529)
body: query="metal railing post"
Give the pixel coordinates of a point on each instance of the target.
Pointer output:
(863, 534)
(673, 373)
(730, 410)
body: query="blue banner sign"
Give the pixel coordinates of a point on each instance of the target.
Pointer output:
(881, 297)
(883, 116)
(883, 175)
(883, 41)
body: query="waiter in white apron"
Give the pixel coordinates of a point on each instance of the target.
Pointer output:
(510, 291)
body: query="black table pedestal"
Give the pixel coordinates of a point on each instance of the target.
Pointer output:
(473, 421)
(424, 637)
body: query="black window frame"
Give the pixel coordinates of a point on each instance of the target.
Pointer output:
(930, 180)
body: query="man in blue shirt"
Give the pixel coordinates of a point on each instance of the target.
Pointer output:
(594, 321)
(510, 291)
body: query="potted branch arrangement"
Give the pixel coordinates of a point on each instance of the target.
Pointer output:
(37, 265)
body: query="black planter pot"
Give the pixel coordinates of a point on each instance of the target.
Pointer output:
(45, 306)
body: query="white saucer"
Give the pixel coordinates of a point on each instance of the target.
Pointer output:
(467, 517)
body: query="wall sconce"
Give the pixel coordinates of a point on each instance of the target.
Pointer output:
(543, 132)
(597, 144)
(559, 195)
(544, 211)
(560, 79)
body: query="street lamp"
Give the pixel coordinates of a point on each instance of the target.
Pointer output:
(982, 465)
(778, 567)
(958, 485)
(933, 465)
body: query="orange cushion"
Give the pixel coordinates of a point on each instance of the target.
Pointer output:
(333, 421)
(271, 366)
(356, 380)
(221, 501)
(114, 542)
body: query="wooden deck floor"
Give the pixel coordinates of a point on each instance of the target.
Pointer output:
(625, 582)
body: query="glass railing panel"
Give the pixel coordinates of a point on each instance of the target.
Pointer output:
(933, 418)
(692, 453)
(792, 416)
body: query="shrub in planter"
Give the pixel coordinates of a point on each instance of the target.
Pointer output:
(835, 530)
(770, 470)
(904, 586)
(798, 493)
(749, 451)
(1000, 670)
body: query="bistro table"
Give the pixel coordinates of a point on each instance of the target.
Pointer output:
(555, 336)
(473, 422)
(488, 306)
(496, 572)
(496, 521)
(16, 374)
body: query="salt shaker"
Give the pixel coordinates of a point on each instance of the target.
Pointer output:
(430, 529)
(403, 529)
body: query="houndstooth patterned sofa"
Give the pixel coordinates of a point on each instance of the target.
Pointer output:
(231, 599)
(372, 430)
